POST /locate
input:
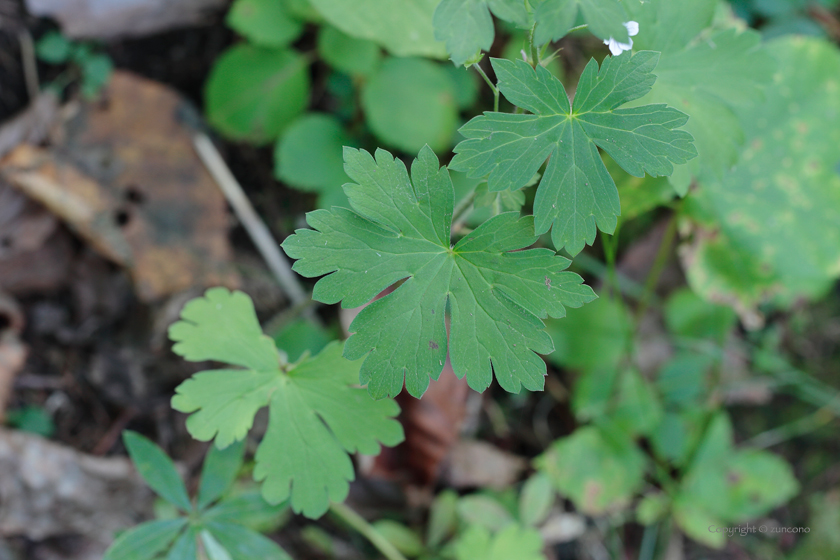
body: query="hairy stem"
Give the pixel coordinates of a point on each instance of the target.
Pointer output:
(492, 87)
(367, 530)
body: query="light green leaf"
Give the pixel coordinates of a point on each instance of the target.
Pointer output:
(53, 48)
(220, 469)
(214, 549)
(404, 539)
(186, 547)
(706, 78)
(266, 23)
(598, 472)
(727, 486)
(652, 507)
(145, 541)
(242, 543)
(466, 26)
(315, 416)
(511, 542)
(157, 469)
(513, 11)
(308, 157)
(484, 511)
(576, 193)
(403, 27)
(96, 71)
(638, 409)
(253, 94)
(223, 327)
(686, 314)
(775, 213)
(555, 18)
(410, 102)
(357, 57)
(823, 541)
(400, 229)
(536, 500)
(442, 518)
(594, 336)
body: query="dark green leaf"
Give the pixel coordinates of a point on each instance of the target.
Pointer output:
(244, 544)
(220, 469)
(357, 57)
(496, 293)
(264, 22)
(576, 193)
(157, 469)
(145, 541)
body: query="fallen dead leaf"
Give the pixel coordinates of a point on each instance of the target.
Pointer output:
(12, 351)
(478, 464)
(125, 178)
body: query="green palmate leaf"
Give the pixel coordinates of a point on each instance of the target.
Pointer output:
(706, 78)
(357, 57)
(595, 336)
(265, 22)
(253, 93)
(511, 542)
(768, 228)
(145, 541)
(302, 335)
(576, 193)
(220, 469)
(598, 471)
(403, 27)
(555, 18)
(686, 314)
(157, 470)
(410, 102)
(308, 157)
(242, 543)
(316, 417)
(213, 548)
(495, 293)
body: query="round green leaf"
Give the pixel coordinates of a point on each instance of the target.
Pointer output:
(309, 157)
(348, 54)
(253, 93)
(264, 22)
(404, 27)
(411, 102)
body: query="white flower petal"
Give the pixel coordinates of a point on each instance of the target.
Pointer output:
(632, 27)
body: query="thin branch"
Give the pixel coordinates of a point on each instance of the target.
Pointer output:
(30, 66)
(256, 228)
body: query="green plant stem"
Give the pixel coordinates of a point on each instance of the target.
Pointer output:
(659, 263)
(535, 53)
(610, 244)
(804, 425)
(367, 530)
(492, 87)
(627, 286)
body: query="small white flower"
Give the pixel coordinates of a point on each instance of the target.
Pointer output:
(617, 48)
